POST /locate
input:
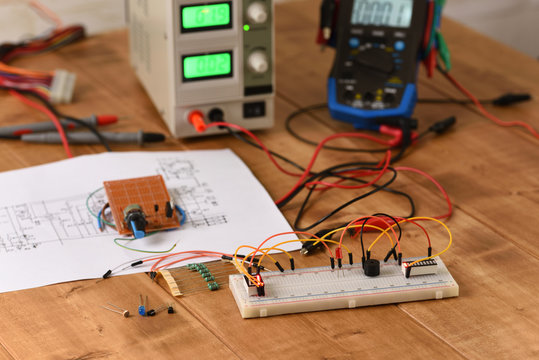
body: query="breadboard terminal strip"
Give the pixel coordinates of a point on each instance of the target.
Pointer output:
(324, 288)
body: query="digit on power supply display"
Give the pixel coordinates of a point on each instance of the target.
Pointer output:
(195, 58)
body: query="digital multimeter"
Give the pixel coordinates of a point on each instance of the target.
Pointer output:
(377, 54)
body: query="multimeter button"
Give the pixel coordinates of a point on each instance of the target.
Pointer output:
(399, 45)
(353, 42)
(368, 96)
(389, 98)
(349, 95)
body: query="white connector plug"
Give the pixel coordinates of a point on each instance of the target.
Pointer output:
(63, 84)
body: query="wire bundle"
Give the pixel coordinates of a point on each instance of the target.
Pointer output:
(436, 56)
(353, 173)
(37, 82)
(434, 45)
(244, 264)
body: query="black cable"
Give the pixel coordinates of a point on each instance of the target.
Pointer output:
(377, 215)
(403, 123)
(320, 177)
(308, 109)
(331, 170)
(75, 120)
(376, 189)
(507, 99)
(335, 174)
(252, 143)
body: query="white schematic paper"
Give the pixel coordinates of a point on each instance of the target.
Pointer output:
(48, 236)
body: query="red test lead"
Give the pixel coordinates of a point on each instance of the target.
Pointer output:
(43, 126)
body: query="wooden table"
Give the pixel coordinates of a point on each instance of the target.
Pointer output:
(491, 174)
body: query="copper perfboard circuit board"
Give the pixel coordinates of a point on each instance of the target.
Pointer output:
(150, 193)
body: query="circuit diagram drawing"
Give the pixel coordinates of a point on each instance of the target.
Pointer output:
(29, 225)
(26, 226)
(190, 193)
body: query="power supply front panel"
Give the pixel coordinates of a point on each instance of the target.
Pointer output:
(218, 54)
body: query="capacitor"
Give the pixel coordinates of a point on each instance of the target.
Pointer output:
(372, 267)
(142, 306)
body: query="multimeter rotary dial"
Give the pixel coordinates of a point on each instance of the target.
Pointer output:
(374, 61)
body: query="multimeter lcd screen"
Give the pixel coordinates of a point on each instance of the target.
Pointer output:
(206, 17)
(207, 66)
(393, 13)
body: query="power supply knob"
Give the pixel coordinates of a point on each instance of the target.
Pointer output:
(257, 13)
(257, 62)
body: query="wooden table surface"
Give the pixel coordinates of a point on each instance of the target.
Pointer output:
(491, 174)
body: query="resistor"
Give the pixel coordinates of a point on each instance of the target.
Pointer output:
(213, 286)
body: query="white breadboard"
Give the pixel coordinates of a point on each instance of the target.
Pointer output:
(320, 288)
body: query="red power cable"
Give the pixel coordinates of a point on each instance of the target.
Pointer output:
(438, 185)
(335, 184)
(484, 111)
(51, 116)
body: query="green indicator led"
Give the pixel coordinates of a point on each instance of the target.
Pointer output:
(200, 66)
(246, 27)
(201, 16)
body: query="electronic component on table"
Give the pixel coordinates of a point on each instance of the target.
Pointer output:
(374, 73)
(424, 267)
(117, 309)
(193, 278)
(254, 289)
(142, 305)
(324, 288)
(168, 307)
(194, 57)
(141, 205)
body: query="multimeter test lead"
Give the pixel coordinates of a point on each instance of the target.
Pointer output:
(327, 10)
(139, 138)
(93, 120)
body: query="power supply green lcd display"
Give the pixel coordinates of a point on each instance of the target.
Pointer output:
(198, 67)
(206, 17)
